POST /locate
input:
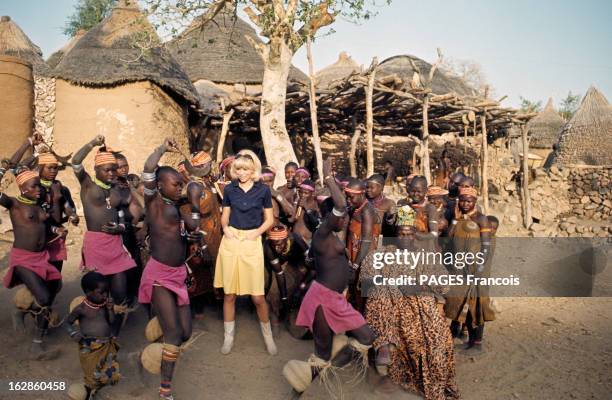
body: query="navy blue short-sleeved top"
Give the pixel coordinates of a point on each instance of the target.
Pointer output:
(246, 207)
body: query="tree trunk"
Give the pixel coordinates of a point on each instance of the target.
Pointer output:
(277, 145)
(354, 143)
(525, 183)
(370, 120)
(484, 180)
(224, 129)
(425, 142)
(316, 140)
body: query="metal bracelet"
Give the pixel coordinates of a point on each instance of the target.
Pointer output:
(148, 176)
(121, 214)
(77, 167)
(275, 261)
(150, 192)
(338, 213)
(195, 215)
(280, 273)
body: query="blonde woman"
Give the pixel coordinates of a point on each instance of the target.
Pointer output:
(247, 214)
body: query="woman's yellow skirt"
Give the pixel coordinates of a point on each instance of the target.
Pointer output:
(240, 265)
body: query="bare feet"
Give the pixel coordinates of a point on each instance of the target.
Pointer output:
(39, 352)
(474, 349)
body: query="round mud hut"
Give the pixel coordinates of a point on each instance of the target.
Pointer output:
(344, 67)
(110, 84)
(544, 131)
(218, 52)
(587, 138)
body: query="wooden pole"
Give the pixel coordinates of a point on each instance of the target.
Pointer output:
(227, 115)
(426, 167)
(525, 181)
(484, 178)
(316, 140)
(354, 143)
(370, 119)
(465, 142)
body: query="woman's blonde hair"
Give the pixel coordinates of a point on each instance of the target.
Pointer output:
(246, 159)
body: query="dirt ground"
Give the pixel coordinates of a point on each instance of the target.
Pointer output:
(539, 348)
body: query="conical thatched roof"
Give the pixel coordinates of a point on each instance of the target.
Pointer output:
(545, 128)
(56, 57)
(342, 68)
(108, 55)
(442, 83)
(218, 51)
(587, 138)
(14, 42)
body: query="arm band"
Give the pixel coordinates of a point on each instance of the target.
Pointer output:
(280, 273)
(195, 215)
(150, 192)
(275, 261)
(279, 198)
(54, 229)
(435, 233)
(338, 213)
(121, 214)
(148, 176)
(454, 222)
(77, 167)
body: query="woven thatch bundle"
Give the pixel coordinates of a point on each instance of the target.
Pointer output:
(218, 51)
(342, 68)
(14, 42)
(544, 129)
(585, 139)
(123, 48)
(442, 83)
(56, 57)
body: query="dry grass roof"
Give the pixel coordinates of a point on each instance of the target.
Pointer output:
(587, 138)
(545, 128)
(342, 68)
(14, 42)
(442, 83)
(56, 57)
(123, 48)
(218, 51)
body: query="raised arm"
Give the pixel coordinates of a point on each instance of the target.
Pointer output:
(339, 210)
(148, 174)
(18, 155)
(194, 193)
(77, 159)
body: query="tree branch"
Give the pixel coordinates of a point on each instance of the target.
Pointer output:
(256, 19)
(259, 47)
(433, 69)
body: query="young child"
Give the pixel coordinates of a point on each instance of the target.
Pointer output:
(97, 348)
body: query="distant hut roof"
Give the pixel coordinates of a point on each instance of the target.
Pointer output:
(586, 138)
(545, 128)
(211, 96)
(56, 57)
(342, 68)
(218, 51)
(107, 55)
(14, 42)
(442, 82)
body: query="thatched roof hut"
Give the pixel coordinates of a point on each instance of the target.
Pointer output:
(107, 85)
(342, 68)
(587, 138)
(57, 56)
(14, 42)
(545, 128)
(108, 54)
(442, 82)
(218, 51)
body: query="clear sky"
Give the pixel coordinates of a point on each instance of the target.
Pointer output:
(530, 48)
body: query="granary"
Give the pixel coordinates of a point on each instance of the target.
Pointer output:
(544, 131)
(586, 138)
(343, 67)
(107, 84)
(22, 70)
